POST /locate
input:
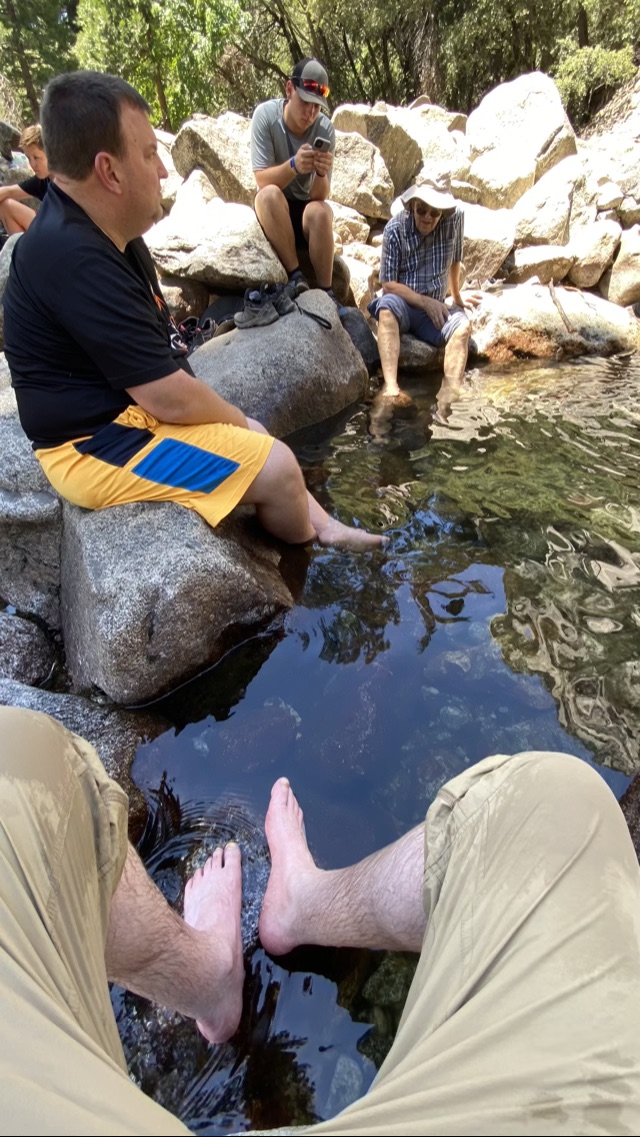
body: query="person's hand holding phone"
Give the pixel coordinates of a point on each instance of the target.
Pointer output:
(305, 159)
(323, 156)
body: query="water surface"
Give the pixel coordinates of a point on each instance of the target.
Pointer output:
(504, 615)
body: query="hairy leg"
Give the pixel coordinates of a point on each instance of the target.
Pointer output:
(317, 226)
(16, 216)
(376, 903)
(389, 348)
(455, 361)
(193, 965)
(286, 508)
(272, 212)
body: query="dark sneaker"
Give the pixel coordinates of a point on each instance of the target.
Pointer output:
(299, 282)
(282, 296)
(342, 311)
(258, 310)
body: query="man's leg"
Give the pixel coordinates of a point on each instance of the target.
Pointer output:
(389, 348)
(272, 212)
(209, 467)
(63, 841)
(524, 1015)
(455, 362)
(317, 226)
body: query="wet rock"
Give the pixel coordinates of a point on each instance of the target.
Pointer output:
(26, 654)
(357, 328)
(219, 243)
(222, 148)
(524, 115)
(418, 356)
(593, 247)
(265, 372)
(621, 284)
(360, 178)
(151, 595)
(114, 733)
(524, 321)
(488, 238)
(389, 985)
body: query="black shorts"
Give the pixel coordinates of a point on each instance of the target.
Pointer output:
(296, 209)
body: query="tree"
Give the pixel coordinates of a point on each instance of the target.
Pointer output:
(37, 38)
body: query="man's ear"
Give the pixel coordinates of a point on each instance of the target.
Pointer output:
(289, 89)
(107, 172)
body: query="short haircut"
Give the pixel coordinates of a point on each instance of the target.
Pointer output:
(80, 116)
(31, 136)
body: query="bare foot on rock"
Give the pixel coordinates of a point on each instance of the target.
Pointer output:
(293, 873)
(212, 901)
(345, 537)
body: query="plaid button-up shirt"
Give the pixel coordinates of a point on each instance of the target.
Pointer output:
(421, 262)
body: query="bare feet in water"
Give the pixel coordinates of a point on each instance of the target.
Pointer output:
(212, 901)
(293, 873)
(345, 537)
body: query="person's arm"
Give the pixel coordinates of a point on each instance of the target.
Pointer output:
(181, 398)
(469, 298)
(14, 193)
(321, 185)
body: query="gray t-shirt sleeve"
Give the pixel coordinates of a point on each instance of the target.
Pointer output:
(262, 147)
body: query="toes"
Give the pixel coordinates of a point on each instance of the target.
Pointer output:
(232, 856)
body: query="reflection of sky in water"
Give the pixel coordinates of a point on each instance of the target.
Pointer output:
(504, 616)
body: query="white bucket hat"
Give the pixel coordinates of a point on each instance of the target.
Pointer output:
(435, 192)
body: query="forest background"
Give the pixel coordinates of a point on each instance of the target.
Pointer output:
(216, 55)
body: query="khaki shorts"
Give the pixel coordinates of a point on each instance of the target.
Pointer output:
(524, 1014)
(207, 467)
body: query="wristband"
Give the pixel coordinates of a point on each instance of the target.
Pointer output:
(320, 175)
(292, 163)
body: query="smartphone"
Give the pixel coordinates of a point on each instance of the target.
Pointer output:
(321, 143)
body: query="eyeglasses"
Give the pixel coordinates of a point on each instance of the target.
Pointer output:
(312, 86)
(424, 211)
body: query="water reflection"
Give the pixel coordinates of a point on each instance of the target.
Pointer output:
(502, 616)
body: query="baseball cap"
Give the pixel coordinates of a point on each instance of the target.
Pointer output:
(311, 81)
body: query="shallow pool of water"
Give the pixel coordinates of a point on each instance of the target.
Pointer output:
(503, 615)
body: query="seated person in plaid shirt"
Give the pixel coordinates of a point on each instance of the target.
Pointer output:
(421, 254)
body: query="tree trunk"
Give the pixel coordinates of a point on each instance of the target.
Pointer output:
(21, 57)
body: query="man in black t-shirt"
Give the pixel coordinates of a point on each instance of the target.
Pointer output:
(14, 214)
(104, 389)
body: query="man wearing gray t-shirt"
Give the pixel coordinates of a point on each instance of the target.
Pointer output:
(292, 145)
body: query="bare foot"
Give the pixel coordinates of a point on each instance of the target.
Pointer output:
(293, 873)
(400, 398)
(212, 902)
(333, 532)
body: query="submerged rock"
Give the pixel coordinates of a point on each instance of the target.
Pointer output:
(26, 654)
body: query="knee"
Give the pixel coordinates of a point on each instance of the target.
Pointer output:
(282, 469)
(318, 215)
(388, 319)
(268, 198)
(462, 333)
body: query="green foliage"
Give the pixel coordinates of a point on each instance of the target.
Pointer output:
(36, 40)
(586, 76)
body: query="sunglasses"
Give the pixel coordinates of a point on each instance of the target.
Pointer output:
(424, 211)
(312, 86)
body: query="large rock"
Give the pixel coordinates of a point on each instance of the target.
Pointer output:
(525, 115)
(525, 322)
(26, 653)
(364, 281)
(222, 148)
(417, 356)
(151, 595)
(593, 247)
(360, 178)
(9, 139)
(546, 262)
(193, 194)
(171, 184)
(542, 214)
(289, 374)
(220, 244)
(378, 124)
(348, 223)
(501, 176)
(116, 734)
(621, 284)
(184, 297)
(444, 152)
(30, 519)
(5, 265)
(488, 238)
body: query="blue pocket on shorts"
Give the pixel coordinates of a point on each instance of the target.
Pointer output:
(185, 467)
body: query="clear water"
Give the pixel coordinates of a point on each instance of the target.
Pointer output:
(504, 615)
